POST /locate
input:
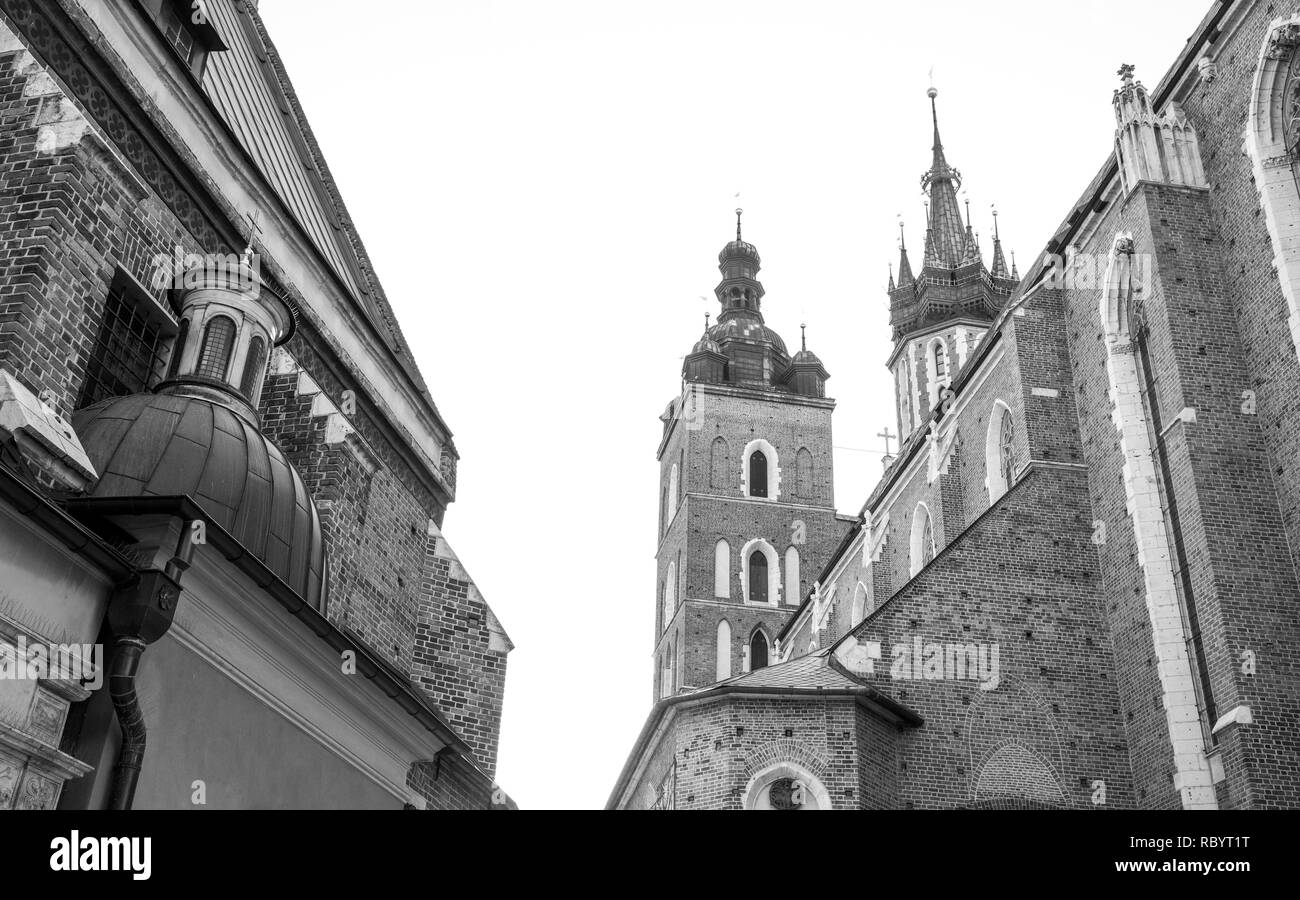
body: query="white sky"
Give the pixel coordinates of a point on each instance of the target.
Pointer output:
(544, 187)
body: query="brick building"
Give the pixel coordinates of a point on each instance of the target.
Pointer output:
(1075, 586)
(218, 459)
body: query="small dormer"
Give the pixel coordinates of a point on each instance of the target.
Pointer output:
(187, 27)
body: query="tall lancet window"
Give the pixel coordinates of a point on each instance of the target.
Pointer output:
(940, 361)
(758, 474)
(757, 576)
(757, 651)
(1007, 451)
(927, 542)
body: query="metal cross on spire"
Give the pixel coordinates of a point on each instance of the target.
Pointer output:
(888, 437)
(253, 230)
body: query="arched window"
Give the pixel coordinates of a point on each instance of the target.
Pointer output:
(178, 347)
(718, 468)
(803, 474)
(936, 368)
(663, 511)
(218, 342)
(724, 651)
(861, 604)
(670, 594)
(253, 368)
(922, 549)
(672, 493)
(757, 577)
(760, 471)
(758, 474)
(722, 570)
(1000, 462)
(757, 651)
(1007, 451)
(793, 593)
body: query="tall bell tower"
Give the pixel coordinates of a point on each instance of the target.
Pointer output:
(939, 315)
(746, 507)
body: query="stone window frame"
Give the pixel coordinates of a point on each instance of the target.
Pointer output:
(773, 572)
(995, 483)
(773, 470)
(776, 771)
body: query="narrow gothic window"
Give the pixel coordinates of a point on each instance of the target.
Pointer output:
(757, 651)
(758, 474)
(1006, 451)
(804, 474)
(718, 464)
(253, 368)
(757, 577)
(723, 668)
(218, 342)
(927, 541)
(940, 361)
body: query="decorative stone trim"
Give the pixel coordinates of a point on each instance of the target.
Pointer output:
(1192, 779)
(1272, 162)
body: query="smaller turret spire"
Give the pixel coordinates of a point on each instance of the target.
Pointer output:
(803, 336)
(738, 212)
(999, 269)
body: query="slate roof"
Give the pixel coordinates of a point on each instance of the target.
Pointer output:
(810, 672)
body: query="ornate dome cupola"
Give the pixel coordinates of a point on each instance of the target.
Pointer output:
(740, 287)
(229, 321)
(806, 374)
(755, 353)
(706, 361)
(196, 435)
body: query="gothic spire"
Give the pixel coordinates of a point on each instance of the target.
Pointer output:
(999, 260)
(904, 266)
(946, 244)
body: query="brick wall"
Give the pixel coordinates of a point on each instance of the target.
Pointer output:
(460, 650)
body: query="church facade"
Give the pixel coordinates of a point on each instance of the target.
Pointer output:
(224, 579)
(1075, 584)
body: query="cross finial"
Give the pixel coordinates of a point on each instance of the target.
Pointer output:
(995, 223)
(738, 212)
(888, 437)
(253, 230)
(1126, 72)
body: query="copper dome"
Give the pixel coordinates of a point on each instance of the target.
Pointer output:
(151, 445)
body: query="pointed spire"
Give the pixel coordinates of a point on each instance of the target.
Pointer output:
(905, 277)
(738, 212)
(891, 277)
(946, 242)
(803, 336)
(1015, 273)
(999, 269)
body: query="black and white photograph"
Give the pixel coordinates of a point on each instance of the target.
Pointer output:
(474, 406)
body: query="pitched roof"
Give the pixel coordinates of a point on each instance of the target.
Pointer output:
(811, 672)
(251, 91)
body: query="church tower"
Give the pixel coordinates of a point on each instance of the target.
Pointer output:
(940, 314)
(747, 509)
